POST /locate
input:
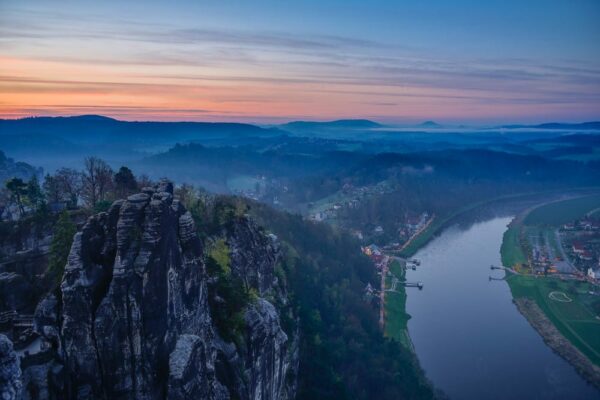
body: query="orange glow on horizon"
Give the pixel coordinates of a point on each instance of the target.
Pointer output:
(32, 87)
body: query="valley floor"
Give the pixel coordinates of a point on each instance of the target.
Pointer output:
(558, 300)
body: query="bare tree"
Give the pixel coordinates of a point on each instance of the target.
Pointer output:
(52, 189)
(144, 181)
(97, 180)
(70, 184)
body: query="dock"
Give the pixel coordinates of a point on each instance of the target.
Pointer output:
(414, 284)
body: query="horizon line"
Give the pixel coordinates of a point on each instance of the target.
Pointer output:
(308, 119)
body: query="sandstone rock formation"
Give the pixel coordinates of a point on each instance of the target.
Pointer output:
(132, 319)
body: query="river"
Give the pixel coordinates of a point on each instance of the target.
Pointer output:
(468, 335)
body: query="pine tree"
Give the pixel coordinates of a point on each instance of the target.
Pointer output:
(61, 246)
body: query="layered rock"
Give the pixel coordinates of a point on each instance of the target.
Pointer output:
(10, 373)
(133, 319)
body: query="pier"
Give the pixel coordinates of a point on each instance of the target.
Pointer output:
(492, 267)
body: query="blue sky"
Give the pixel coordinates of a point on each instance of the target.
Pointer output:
(269, 61)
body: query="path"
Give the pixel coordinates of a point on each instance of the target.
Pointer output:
(417, 233)
(384, 271)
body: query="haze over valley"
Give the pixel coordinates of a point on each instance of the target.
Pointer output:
(318, 200)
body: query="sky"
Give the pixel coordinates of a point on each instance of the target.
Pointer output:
(460, 61)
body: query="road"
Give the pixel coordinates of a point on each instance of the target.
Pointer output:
(384, 272)
(562, 251)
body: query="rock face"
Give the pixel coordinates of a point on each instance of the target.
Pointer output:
(135, 323)
(10, 373)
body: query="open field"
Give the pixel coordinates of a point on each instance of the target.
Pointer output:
(561, 212)
(396, 318)
(577, 320)
(568, 304)
(511, 251)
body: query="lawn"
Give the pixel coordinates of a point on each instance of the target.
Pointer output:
(511, 251)
(561, 212)
(576, 320)
(396, 318)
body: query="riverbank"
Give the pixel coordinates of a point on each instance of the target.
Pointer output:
(571, 328)
(556, 341)
(395, 304)
(442, 222)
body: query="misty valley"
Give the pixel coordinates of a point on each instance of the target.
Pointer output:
(235, 261)
(309, 200)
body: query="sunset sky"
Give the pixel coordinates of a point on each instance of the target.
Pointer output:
(274, 61)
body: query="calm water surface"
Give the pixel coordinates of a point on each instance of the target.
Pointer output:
(469, 337)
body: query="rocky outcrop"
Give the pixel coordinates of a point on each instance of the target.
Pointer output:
(10, 373)
(253, 255)
(133, 321)
(266, 358)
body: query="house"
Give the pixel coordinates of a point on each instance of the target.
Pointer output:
(378, 230)
(594, 273)
(372, 250)
(320, 216)
(586, 224)
(578, 248)
(586, 255)
(569, 227)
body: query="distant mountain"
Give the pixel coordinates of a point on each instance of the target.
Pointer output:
(429, 124)
(67, 140)
(10, 168)
(594, 125)
(98, 129)
(338, 124)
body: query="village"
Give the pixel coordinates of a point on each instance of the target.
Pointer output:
(570, 250)
(350, 197)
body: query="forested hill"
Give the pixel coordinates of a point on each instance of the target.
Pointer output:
(343, 353)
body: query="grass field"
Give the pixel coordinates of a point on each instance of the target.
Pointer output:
(396, 318)
(576, 320)
(511, 251)
(556, 214)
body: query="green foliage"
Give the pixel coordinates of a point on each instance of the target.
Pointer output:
(102, 205)
(35, 196)
(18, 190)
(220, 254)
(125, 183)
(61, 246)
(228, 296)
(343, 353)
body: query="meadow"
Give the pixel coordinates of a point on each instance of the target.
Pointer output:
(396, 317)
(561, 212)
(577, 320)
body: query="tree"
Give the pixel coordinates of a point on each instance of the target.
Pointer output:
(61, 246)
(97, 180)
(18, 190)
(125, 183)
(186, 194)
(144, 181)
(35, 196)
(70, 184)
(52, 188)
